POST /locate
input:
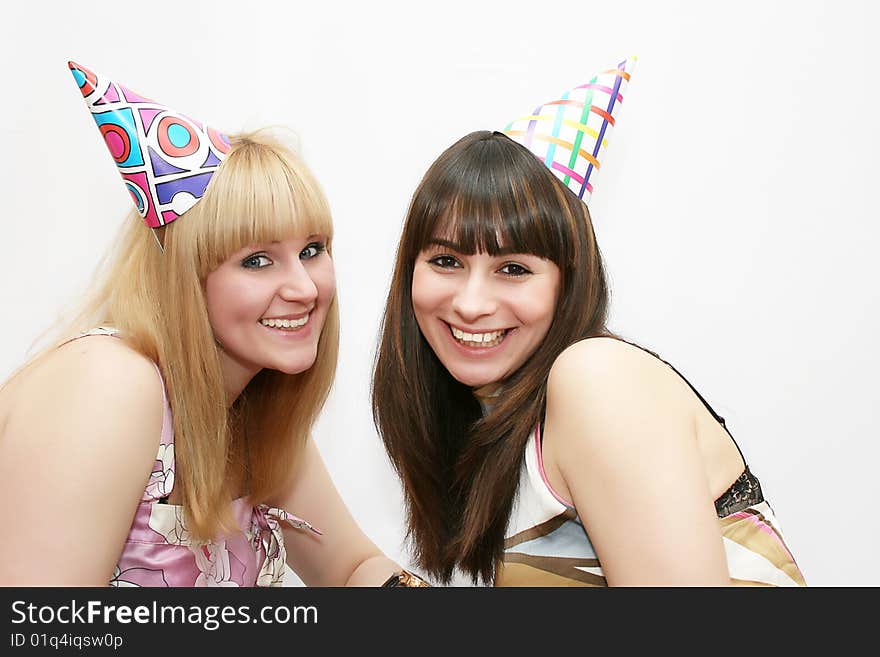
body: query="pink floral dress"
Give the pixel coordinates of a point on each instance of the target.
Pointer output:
(160, 552)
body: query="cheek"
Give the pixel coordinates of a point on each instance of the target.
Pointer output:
(427, 292)
(538, 307)
(229, 297)
(547, 309)
(549, 296)
(216, 291)
(324, 278)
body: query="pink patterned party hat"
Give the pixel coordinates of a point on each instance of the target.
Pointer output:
(166, 158)
(570, 134)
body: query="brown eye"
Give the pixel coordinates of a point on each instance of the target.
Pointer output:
(513, 269)
(444, 261)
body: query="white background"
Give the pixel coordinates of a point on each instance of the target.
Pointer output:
(734, 208)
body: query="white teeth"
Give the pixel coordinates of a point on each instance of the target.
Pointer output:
(488, 339)
(285, 323)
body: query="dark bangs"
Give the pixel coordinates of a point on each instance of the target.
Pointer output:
(487, 193)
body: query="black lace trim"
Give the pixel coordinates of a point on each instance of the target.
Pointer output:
(743, 493)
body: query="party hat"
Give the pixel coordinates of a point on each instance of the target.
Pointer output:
(570, 134)
(166, 158)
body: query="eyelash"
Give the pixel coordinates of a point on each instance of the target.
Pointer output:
(444, 261)
(448, 261)
(523, 271)
(252, 258)
(319, 248)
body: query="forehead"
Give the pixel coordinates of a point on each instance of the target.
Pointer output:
(295, 240)
(469, 236)
(454, 245)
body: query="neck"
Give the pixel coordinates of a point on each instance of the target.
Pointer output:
(487, 394)
(236, 376)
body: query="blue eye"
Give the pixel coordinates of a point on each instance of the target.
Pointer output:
(256, 261)
(444, 261)
(513, 269)
(313, 250)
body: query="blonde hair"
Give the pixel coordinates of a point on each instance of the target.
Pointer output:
(262, 192)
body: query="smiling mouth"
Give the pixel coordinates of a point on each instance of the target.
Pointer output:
(286, 324)
(478, 340)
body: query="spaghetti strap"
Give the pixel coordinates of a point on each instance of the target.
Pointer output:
(161, 481)
(709, 408)
(99, 330)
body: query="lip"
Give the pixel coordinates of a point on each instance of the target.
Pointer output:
(301, 333)
(290, 316)
(480, 330)
(476, 352)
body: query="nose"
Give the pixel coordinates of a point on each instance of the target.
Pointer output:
(297, 285)
(474, 298)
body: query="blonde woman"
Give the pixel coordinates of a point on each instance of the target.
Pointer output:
(165, 437)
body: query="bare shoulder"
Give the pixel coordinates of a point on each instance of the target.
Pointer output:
(595, 364)
(620, 442)
(105, 361)
(80, 438)
(91, 414)
(605, 385)
(95, 354)
(94, 378)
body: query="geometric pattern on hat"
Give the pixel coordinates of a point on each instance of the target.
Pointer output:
(166, 158)
(570, 134)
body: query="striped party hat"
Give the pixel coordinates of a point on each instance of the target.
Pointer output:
(166, 158)
(570, 134)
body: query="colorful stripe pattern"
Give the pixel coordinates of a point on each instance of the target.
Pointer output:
(547, 544)
(166, 159)
(570, 134)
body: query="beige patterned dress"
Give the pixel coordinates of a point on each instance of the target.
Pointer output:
(546, 543)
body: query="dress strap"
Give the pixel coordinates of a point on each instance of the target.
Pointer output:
(98, 330)
(161, 480)
(746, 490)
(709, 408)
(268, 520)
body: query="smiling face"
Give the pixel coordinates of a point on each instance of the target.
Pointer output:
(267, 305)
(483, 315)
(497, 272)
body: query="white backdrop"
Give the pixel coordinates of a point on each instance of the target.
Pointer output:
(732, 208)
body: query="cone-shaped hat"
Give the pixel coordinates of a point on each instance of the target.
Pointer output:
(570, 134)
(166, 158)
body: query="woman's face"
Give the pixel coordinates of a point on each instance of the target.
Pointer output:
(267, 304)
(483, 315)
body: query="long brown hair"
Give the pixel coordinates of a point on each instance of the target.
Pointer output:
(460, 470)
(261, 192)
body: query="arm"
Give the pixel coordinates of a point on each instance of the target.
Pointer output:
(620, 431)
(342, 555)
(75, 454)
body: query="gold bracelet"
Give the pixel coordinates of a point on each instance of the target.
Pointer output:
(405, 578)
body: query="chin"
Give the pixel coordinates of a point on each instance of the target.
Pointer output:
(474, 379)
(297, 366)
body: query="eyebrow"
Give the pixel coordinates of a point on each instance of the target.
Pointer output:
(310, 237)
(457, 247)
